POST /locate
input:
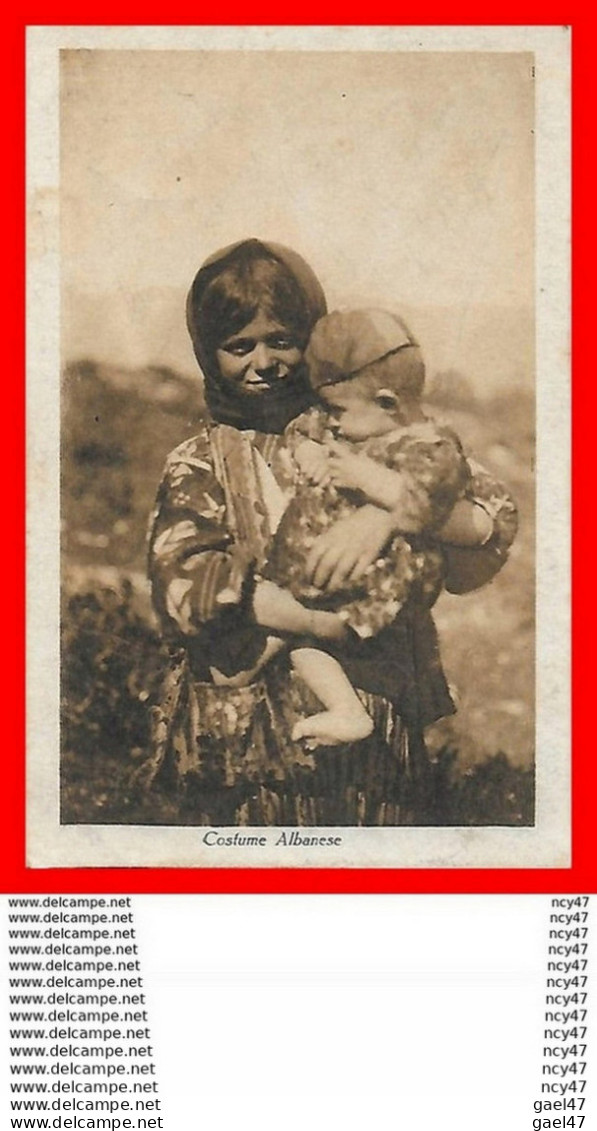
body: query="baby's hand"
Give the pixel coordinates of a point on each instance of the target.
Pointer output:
(312, 459)
(352, 471)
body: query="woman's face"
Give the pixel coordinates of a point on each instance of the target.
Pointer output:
(260, 355)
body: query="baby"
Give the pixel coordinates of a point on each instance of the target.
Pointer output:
(367, 441)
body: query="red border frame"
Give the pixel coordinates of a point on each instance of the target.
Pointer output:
(15, 877)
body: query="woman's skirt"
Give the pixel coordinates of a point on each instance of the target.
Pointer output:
(227, 752)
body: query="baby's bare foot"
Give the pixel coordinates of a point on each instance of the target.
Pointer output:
(331, 728)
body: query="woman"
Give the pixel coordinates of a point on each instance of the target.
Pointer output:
(230, 701)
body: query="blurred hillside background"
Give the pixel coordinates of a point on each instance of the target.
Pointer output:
(406, 179)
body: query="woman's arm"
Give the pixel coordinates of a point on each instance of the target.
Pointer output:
(196, 569)
(472, 563)
(468, 525)
(278, 610)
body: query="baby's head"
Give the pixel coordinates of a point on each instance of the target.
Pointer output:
(367, 368)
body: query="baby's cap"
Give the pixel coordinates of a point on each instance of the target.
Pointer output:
(345, 341)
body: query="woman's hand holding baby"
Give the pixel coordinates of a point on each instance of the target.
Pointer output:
(344, 553)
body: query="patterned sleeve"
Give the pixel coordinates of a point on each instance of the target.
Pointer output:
(468, 568)
(434, 473)
(195, 568)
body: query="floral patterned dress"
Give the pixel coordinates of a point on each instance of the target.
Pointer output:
(434, 474)
(228, 748)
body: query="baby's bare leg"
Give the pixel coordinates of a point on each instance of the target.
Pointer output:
(345, 719)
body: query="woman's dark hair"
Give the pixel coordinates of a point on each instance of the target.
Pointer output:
(253, 279)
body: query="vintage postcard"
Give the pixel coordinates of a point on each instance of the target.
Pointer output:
(298, 419)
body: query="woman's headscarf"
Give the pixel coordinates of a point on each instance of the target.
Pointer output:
(274, 409)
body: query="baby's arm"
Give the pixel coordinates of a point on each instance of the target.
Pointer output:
(423, 474)
(355, 471)
(435, 475)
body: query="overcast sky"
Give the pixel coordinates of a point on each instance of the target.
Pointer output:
(403, 178)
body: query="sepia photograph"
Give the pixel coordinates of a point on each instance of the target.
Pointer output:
(298, 353)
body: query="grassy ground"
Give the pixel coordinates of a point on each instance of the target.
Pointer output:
(118, 428)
